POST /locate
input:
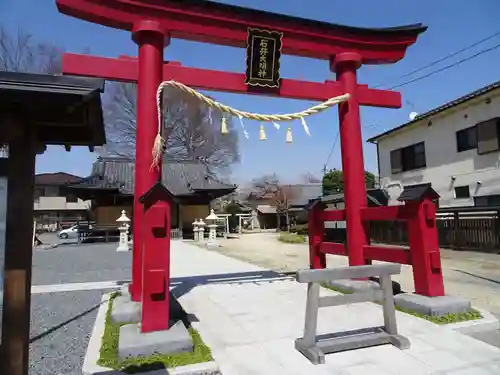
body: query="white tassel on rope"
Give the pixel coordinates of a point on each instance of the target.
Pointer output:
(159, 146)
(243, 127)
(306, 128)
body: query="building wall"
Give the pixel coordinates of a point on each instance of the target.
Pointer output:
(442, 159)
(59, 204)
(49, 198)
(107, 215)
(188, 214)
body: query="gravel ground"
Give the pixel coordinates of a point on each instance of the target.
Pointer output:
(81, 263)
(61, 324)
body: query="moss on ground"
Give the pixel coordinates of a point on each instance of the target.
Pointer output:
(109, 351)
(472, 314)
(291, 238)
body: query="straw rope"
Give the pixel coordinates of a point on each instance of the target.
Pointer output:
(160, 144)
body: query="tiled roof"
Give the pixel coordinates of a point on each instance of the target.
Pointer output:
(58, 178)
(306, 192)
(453, 103)
(179, 178)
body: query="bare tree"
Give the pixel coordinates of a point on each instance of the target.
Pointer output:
(265, 185)
(20, 52)
(283, 198)
(191, 129)
(269, 187)
(310, 178)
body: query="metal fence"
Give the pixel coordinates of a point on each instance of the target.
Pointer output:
(464, 229)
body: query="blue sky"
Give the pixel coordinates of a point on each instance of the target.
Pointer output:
(453, 24)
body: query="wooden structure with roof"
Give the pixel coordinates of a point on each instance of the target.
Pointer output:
(35, 111)
(111, 189)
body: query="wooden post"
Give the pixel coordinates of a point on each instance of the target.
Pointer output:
(18, 251)
(316, 227)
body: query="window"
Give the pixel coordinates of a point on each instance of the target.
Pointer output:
(71, 198)
(487, 201)
(467, 139)
(487, 136)
(462, 192)
(408, 158)
(39, 192)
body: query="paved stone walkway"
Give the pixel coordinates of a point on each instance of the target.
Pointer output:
(250, 319)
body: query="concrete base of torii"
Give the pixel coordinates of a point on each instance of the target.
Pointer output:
(434, 306)
(133, 343)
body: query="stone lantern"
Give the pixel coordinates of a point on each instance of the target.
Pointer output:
(201, 230)
(196, 230)
(212, 234)
(124, 221)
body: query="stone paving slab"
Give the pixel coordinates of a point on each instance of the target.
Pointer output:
(251, 326)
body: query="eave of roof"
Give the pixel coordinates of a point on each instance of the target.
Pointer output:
(442, 108)
(65, 110)
(50, 83)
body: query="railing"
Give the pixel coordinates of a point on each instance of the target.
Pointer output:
(176, 234)
(99, 234)
(315, 347)
(460, 230)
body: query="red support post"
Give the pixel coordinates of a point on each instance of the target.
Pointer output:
(424, 249)
(316, 227)
(150, 38)
(345, 65)
(155, 313)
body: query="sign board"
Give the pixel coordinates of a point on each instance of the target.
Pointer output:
(3, 220)
(263, 58)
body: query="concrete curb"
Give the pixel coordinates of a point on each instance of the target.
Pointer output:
(90, 366)
(488, 323)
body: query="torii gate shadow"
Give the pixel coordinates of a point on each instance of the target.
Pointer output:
(183, 285)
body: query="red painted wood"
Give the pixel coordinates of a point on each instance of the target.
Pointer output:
(345, 65)
(391, 254)
(387, 213)
(126, 69)
(424, 250)
(317, 260)
(150, 42)
(156, 268)
(333, 215)
(332, 248)
(225, 26)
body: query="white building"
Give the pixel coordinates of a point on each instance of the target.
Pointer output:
(455, 147)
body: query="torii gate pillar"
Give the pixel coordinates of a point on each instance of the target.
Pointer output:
(151, 40)
(345, 66)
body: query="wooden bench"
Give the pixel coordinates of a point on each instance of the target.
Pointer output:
(313, 346)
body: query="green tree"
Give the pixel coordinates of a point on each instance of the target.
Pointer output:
(333, 181)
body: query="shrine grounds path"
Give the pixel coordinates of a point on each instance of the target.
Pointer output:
(68, 282)
(472, 275)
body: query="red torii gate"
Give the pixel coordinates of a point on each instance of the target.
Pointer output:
(154, 22)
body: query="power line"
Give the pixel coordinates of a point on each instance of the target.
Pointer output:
(446, 57)
(446, 67)
(331, 151)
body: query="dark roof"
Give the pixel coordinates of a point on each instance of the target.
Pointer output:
(181, 179)
(216, 7)
(376, 197)
(304, 193)
(65, 110)
(418, 192)
(58, 178)
(444, 107)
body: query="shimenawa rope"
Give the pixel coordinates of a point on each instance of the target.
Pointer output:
(160, 143)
